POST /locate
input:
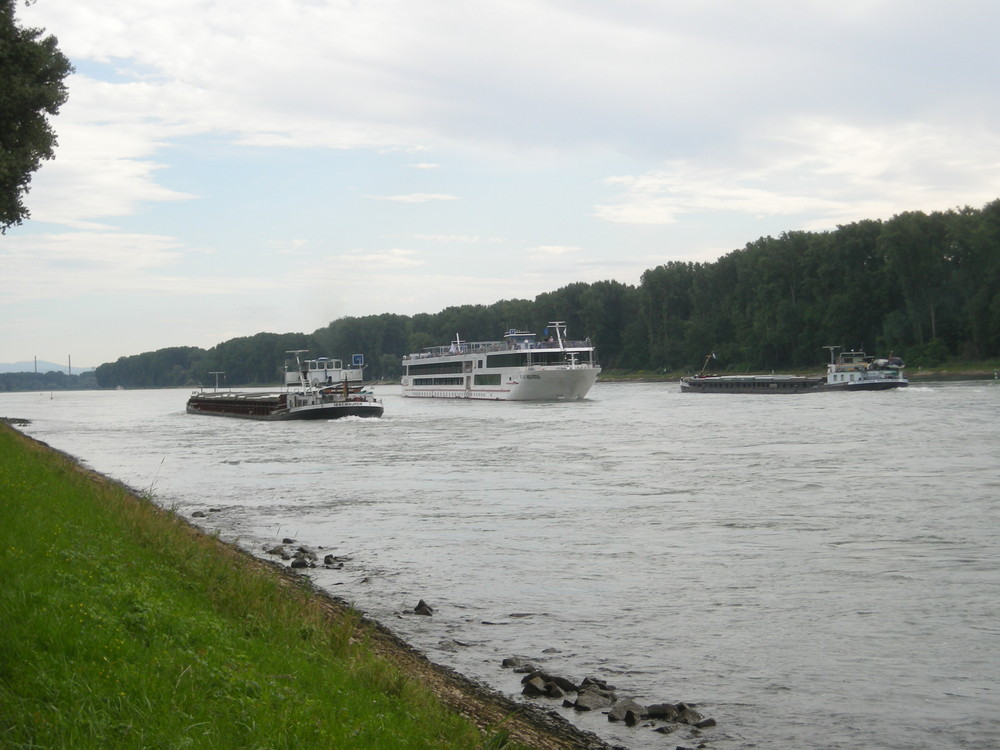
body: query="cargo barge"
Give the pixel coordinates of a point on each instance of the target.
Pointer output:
(317, 389)
(847, 371)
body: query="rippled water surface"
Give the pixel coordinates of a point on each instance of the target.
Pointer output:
(814, 571)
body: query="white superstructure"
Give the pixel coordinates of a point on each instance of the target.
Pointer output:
(518, 368)
(321, 372)
(854, 371)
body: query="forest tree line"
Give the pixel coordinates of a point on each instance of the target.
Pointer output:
(47, 381)
(924, 286)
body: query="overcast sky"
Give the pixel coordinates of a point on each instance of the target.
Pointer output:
(233, 166)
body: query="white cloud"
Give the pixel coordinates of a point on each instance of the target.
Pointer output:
(415, 197)
(69, 266)
(369, 261)
(550, 251)
(675, 83)
(101, 170)
(833, 171)
(470, 239)
(596, 138)
(73, 263)
(289, 247)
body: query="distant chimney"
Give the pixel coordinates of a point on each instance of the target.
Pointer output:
(69, 358)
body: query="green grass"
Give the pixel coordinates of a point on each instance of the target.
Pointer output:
(122, 628)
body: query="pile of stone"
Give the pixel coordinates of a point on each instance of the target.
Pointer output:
(303, 556)
(590, 694)
(594, 694)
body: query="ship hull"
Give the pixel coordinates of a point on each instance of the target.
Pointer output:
(865, 385)
(523, 385)
(763, 384)
(848, 371)
(270, 408)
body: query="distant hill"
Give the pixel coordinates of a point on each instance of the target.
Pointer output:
(43, 367)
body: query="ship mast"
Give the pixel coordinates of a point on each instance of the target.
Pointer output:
(708, 359)
(560, 326)
(303, 372)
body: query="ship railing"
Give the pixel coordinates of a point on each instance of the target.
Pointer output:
(478, 347)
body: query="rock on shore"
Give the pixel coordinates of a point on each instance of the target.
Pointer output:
(594, 694)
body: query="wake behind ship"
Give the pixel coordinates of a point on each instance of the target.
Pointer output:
(517, 368)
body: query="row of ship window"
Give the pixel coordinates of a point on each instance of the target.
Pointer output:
(487, 379)
(513, 359)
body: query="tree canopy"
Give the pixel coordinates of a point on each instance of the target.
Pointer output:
(924, 286)
(32, 88)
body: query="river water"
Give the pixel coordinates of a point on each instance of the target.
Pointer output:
(814, 571)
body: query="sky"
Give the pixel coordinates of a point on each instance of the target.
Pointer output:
(226, 167)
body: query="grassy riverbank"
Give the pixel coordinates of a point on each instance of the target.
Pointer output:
(124, 627)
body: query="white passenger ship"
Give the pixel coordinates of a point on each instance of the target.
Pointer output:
(518, 368)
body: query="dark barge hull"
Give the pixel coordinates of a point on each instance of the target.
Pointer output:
(777, 384)
(274, 407)
(875, 385)
(788, 384)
